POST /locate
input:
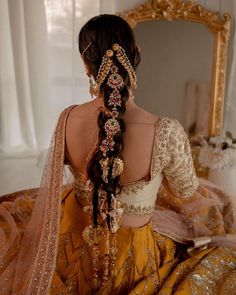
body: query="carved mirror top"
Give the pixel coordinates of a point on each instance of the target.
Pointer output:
(179, 10)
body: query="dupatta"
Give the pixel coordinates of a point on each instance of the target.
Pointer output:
(31, 270)
(205, 218)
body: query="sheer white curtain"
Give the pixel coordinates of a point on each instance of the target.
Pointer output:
(16, 113)
(41, 70)
(41, 73)
(68, 80)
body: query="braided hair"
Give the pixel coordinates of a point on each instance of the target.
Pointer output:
(99, 34)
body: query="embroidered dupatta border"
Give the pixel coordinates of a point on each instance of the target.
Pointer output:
(45, 262)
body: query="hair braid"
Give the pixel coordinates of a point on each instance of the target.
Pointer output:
(115, 75)
(112, 186)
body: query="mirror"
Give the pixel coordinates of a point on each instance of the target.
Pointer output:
(175, 71)
(183, 67)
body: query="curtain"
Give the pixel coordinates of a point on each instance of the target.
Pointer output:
(41, 69)
(17, 133)
(68, 80)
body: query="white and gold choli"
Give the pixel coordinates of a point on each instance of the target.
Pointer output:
(171, 158)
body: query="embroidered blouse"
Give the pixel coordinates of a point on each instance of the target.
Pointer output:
(171, 158)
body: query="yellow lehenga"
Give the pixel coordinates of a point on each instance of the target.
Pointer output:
(147, 262)
(188, 247)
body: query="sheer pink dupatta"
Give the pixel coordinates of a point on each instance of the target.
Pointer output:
(32, 270)
(206, 217)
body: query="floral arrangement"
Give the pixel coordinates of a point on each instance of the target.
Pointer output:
(218, 152)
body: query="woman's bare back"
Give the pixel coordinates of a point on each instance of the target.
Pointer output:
(82, 134)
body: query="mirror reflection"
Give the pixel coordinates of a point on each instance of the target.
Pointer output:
(176, 71)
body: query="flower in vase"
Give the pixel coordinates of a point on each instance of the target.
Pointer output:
(218, 152)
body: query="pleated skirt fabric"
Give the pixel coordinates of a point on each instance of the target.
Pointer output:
(147, 262)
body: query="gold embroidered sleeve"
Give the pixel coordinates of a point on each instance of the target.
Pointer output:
(179, 169)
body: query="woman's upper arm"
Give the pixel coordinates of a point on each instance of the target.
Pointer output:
(179, 169)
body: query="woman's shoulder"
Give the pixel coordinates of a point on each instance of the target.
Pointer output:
(78, 107)
(139, 115)
(72, 111)
(170, 124)
(67, 110)
(84, 110)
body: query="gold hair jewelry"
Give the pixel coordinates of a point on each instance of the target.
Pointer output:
(92, 86)
(116, 82)
(117, 167)
(105, 67)
(123, 59)
(111, 167)
(82, 54)
(105, 168)
(103, 71)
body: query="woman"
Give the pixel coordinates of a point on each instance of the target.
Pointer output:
(100, 234)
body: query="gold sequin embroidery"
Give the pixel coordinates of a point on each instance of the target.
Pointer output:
(137, 210)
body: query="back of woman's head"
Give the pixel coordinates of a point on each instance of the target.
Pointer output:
(108, 49)
(102, 32)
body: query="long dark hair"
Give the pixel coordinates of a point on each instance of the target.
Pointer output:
(102, 32)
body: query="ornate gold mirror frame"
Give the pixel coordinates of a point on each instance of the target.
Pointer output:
(217, 25)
